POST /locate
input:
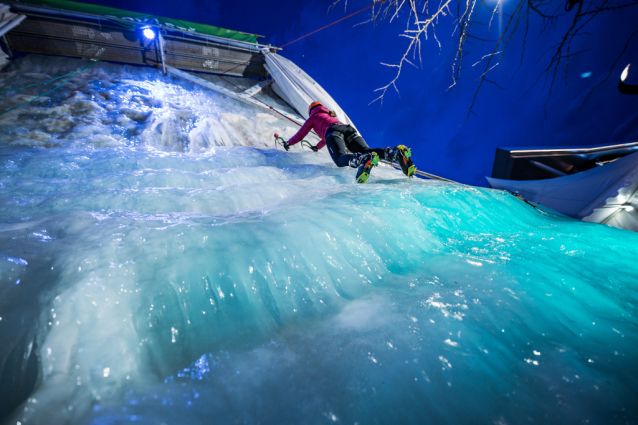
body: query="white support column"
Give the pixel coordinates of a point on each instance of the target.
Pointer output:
(161, 45)
(8, 20)
(6, 42)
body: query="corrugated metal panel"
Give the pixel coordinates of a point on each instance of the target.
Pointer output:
(210, 57)
(214, 66)
(130, 18)
(83, 31)
(37, 44)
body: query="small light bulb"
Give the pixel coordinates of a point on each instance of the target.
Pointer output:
(149, 33)
(625, 73)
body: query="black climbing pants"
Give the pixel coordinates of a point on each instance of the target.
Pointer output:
(340, 137)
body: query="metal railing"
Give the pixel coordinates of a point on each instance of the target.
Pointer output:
(420, 173)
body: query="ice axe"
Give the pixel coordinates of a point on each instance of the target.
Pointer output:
(280, 140)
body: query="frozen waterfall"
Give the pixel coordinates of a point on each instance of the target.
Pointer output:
(162, 263)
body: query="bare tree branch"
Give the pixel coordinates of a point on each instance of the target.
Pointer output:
(414, 35)
(468, 25)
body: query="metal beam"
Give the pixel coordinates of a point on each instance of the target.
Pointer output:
(547, 168)
(10, 23)
(419, 173)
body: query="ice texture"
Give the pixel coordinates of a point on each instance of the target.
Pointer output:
(162, 263)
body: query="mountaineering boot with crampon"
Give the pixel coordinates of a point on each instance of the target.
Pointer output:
(365, 162)
(403, 155)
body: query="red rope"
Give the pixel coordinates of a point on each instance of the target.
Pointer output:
(335, 22)
(288, 44)
(315, 31)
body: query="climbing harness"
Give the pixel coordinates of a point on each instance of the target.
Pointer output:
(53, 89)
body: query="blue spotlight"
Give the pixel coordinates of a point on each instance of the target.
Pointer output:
(149, 33)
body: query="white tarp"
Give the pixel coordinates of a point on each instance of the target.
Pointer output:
(297, 88)
(577, 195)
(8, 20)
(619, 211)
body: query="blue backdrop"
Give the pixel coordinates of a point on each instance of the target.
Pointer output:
(346, 60)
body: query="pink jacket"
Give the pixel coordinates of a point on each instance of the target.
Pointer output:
(319, 121)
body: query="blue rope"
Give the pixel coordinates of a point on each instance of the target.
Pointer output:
(47, 92)
(37, 84)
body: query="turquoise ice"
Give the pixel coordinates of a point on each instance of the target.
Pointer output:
(174, 267)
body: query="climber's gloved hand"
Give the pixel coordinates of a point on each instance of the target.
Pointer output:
(314, 148)
(286, 146)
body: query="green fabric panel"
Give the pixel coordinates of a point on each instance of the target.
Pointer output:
(207, 29)
(141, 18)
(93, 9)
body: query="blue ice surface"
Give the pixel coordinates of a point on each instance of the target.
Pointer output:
(244, 284)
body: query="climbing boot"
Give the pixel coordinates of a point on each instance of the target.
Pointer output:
(403, 156)
(366, 162)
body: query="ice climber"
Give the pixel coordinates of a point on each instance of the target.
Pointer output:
(338, 136)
